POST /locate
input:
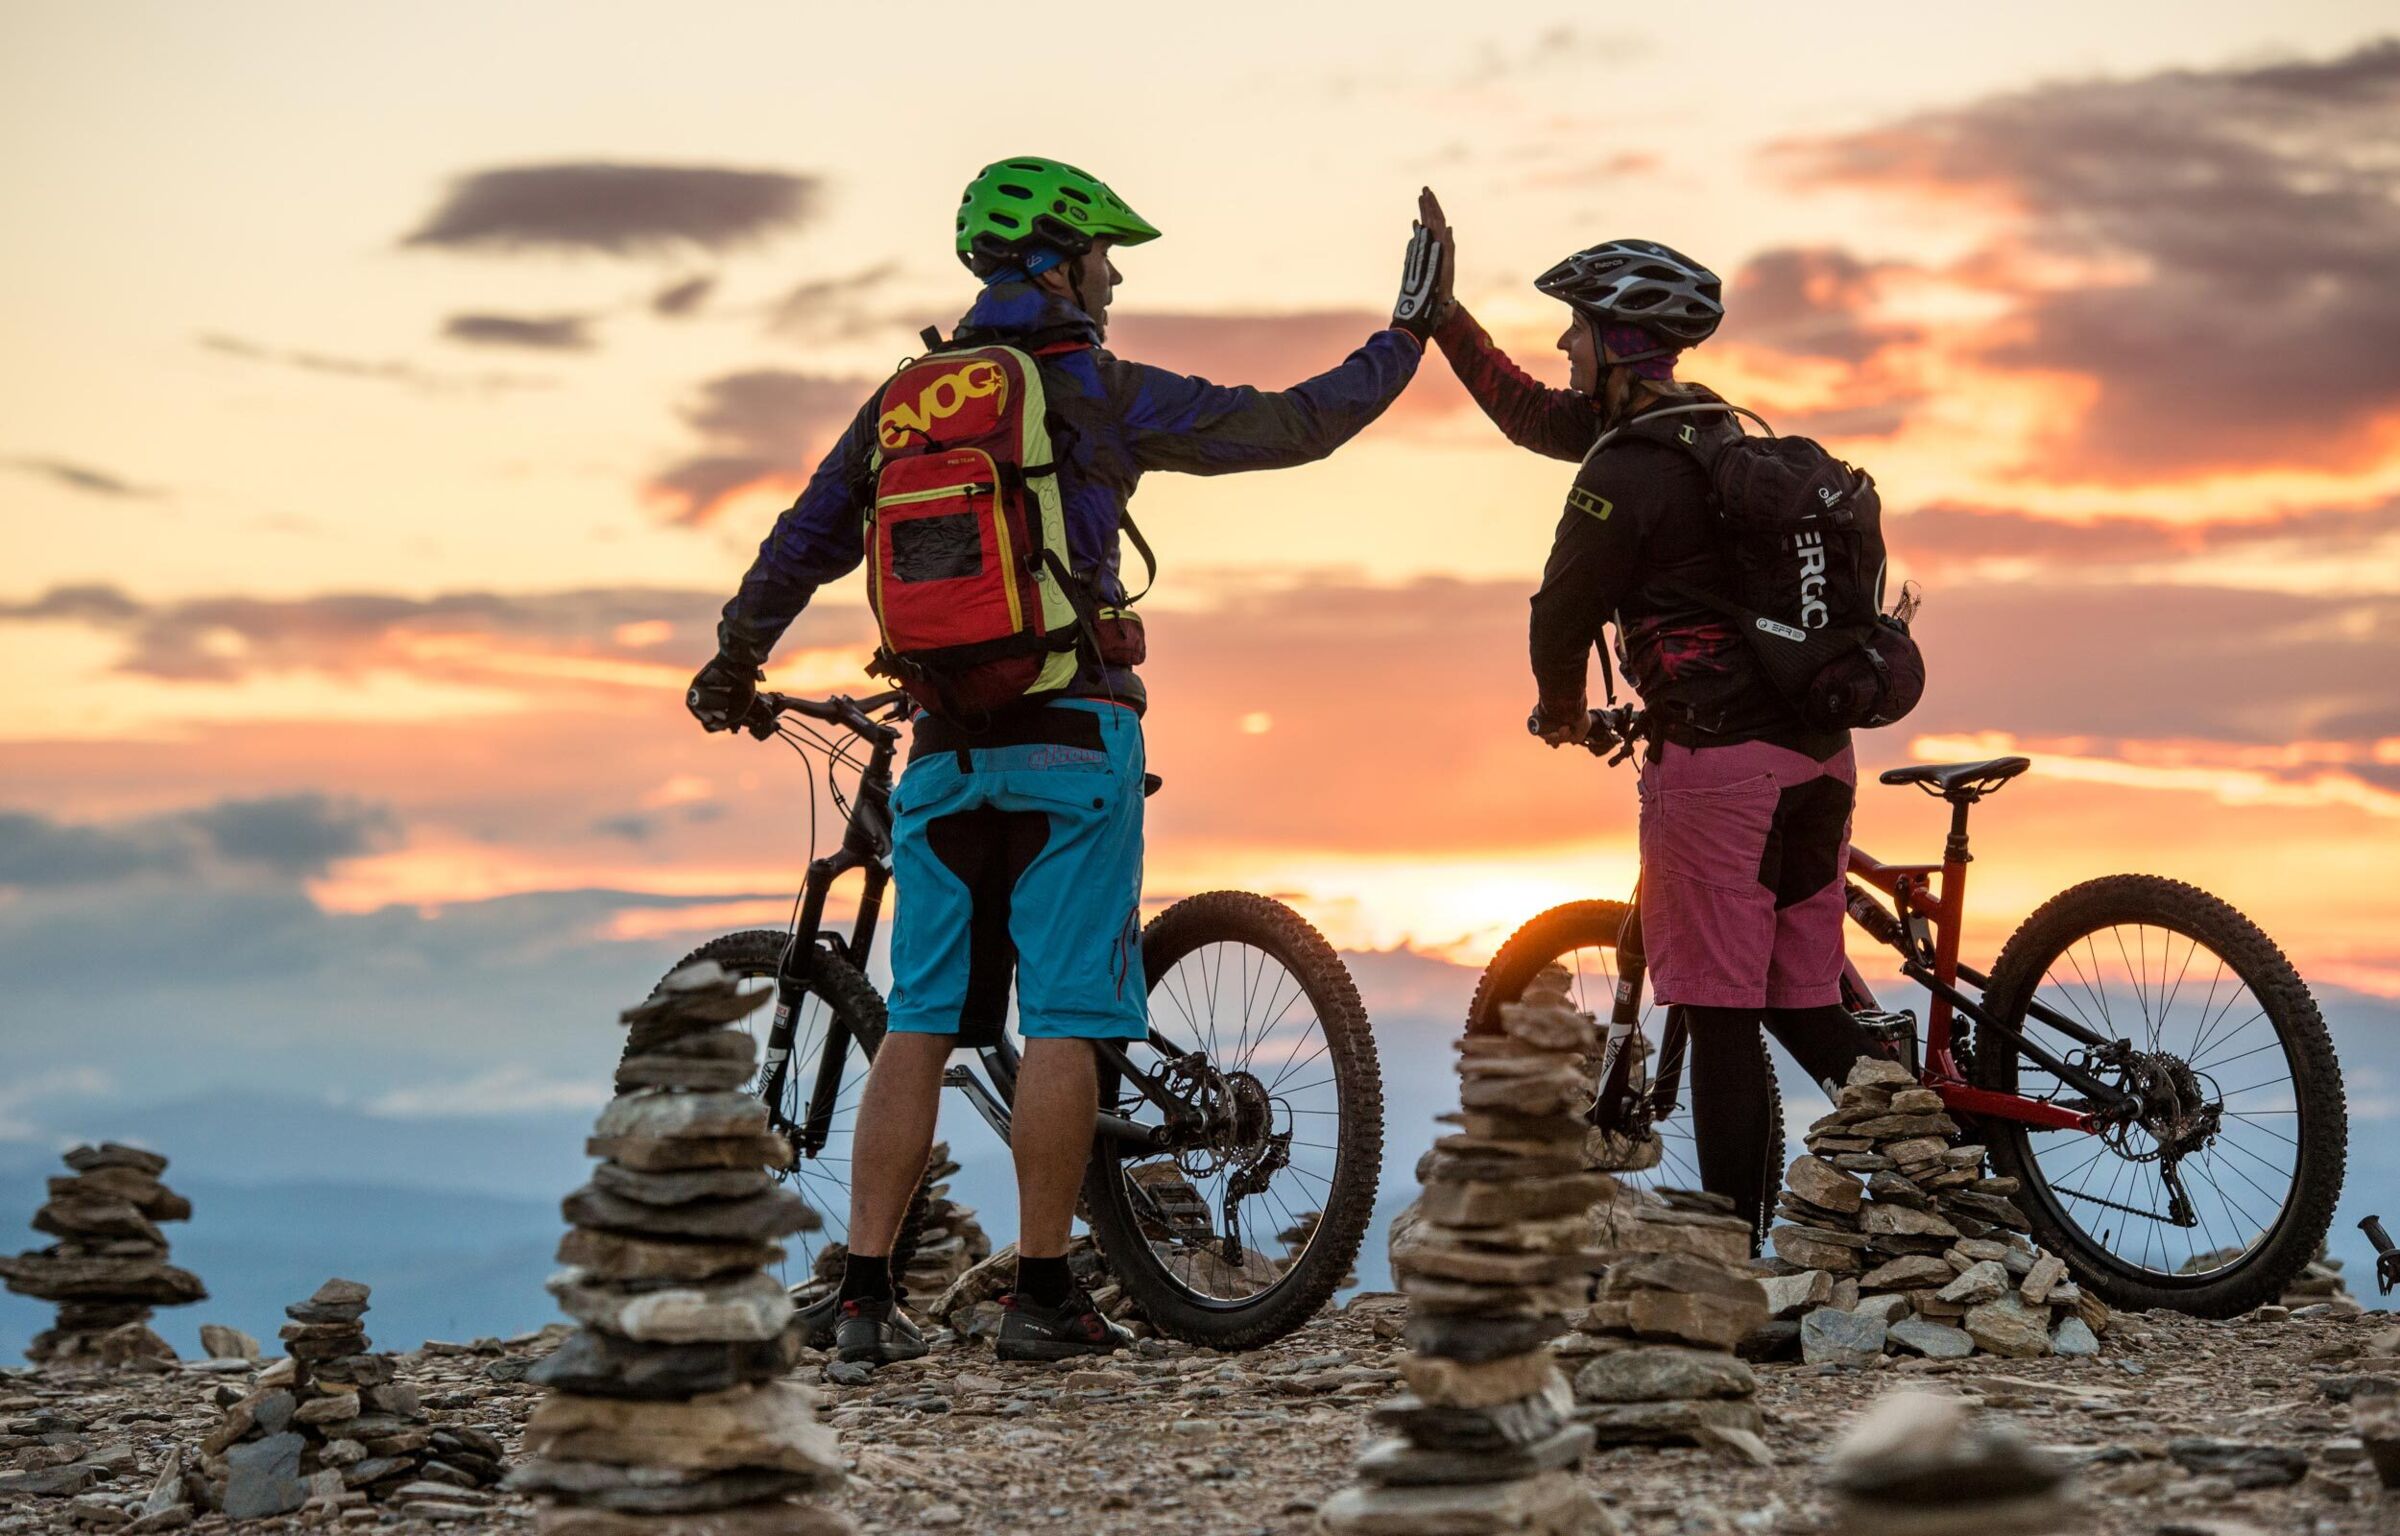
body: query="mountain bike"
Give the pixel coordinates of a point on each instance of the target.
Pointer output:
(1254, 1104)
(2170, 1149)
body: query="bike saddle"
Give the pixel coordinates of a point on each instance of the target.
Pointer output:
(1957, 781)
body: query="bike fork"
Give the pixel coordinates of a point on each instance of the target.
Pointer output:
(1625, 1012)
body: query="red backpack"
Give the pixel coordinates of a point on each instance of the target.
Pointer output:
(967, 565)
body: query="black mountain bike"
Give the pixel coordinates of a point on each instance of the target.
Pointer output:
(2144, 1061)
(1255, 1103)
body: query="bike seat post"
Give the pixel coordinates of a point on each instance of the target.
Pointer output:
(1954, 851)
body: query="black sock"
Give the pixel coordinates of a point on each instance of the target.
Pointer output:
(1729, 1106)
(1825, 1041)
(1044, 1282)
(867, 1277)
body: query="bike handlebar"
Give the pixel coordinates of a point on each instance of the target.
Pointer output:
(853, 714)
(1620, 729)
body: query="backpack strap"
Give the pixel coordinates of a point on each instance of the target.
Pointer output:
(1647, 417)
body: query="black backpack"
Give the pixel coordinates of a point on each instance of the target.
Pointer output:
(1805, 566)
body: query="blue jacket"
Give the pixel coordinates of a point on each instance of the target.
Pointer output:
(1122, 419)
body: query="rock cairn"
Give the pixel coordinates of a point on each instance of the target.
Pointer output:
(2320, 1285)
(330, 1425)
(109, 1266)
(668, 1414)
(951, 1241)
(1680, 1293)
(1892, 1237)
(1485, 1438)
(1296, 1238)
(1923, 1464)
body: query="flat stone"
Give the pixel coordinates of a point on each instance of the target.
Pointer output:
(91, 1219)
(1907, 1273)
(776, 1517)
(617, 1256)
(675, 1188)
(55, 1276)
(2248, 1465)
(2009, 1327)
(2376, 1417)
(1490, 1268)
(1812, 1249)
(2041, 1276)
(262, 1477)
(1397, 1462)
(701, 995)
(1913, 1450)
(1518, 1422)
(752, 1307)
(664, 1154)
(690, 1073)
(769, 1425)
(1984, 1281)
(2074, 1339)
(1891, 1307)
(598, 1364)
(1820, 1183)
(657, 1115)
(1477, 1384)
(1790, 1294)
(1935, 1341)
(655, 1490)
(1551, 1504)
(770, 1214)
(1714, 1321)
(1664, 1374)
(336, 1301)
(1668, 1423)
(1550, 1027)
(1831, 1336)
(111, 1154)
(223, 1343)
(1879, 1072)
(1461, 1336)
(1900, 1221)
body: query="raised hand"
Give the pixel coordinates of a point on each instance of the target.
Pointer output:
(1431, 217)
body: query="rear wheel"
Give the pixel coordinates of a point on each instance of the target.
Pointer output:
(2241, 1097)
(1255, 1019)
(836, 989)
(1582, 937)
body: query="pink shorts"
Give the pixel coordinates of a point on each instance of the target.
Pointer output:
(1743, 851)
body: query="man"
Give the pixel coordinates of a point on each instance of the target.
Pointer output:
(1745, 811)
(1018, 843)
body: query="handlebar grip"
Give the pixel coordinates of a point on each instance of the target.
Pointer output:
(2373, 1227)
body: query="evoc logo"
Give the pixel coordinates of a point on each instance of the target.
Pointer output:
(1810, 547)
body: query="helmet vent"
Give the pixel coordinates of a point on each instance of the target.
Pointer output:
(1011, 221)
(1011, 189)
(1027, 165)
(1075, 193)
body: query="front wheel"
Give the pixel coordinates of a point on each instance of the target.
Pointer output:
(2213, 1192)
(1582, 937)
(1254, 1021)
(836, 991)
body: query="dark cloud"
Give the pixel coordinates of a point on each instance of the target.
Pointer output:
(760, 426)
(2212, 248)
(225, 639)
(1812, 301)
(682, 298)
(543, 333)
(1944, 537)
(291, 837)
(80, 477)
(631, 827)
(618, 210)
(830, 308)
(386, 370)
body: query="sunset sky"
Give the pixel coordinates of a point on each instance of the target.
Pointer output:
(372, 467)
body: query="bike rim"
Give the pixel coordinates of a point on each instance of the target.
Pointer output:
(1250, 1013)
(2173, 997)
(824, 1179)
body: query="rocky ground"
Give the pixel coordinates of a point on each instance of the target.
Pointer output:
(1176, 1440)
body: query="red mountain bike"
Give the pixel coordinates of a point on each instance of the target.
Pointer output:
(2142, 1059)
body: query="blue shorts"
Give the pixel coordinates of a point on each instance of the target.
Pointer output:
(1019, 849)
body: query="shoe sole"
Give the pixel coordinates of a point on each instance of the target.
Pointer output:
(1050, 1349)
(882, 1354)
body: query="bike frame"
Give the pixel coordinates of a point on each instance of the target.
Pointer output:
(1922, 926)
(867, 849)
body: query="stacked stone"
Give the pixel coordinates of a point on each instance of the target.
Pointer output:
(1678, 1296)
(1921, 1464)
(668, 1414)
(332, 1426)
(1296, 1238)
(1893, 1237)
(2320, 1285)
(1486, 1438)
(950, 1241)
(109, 1266)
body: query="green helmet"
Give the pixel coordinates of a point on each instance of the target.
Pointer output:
(1015, 207)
